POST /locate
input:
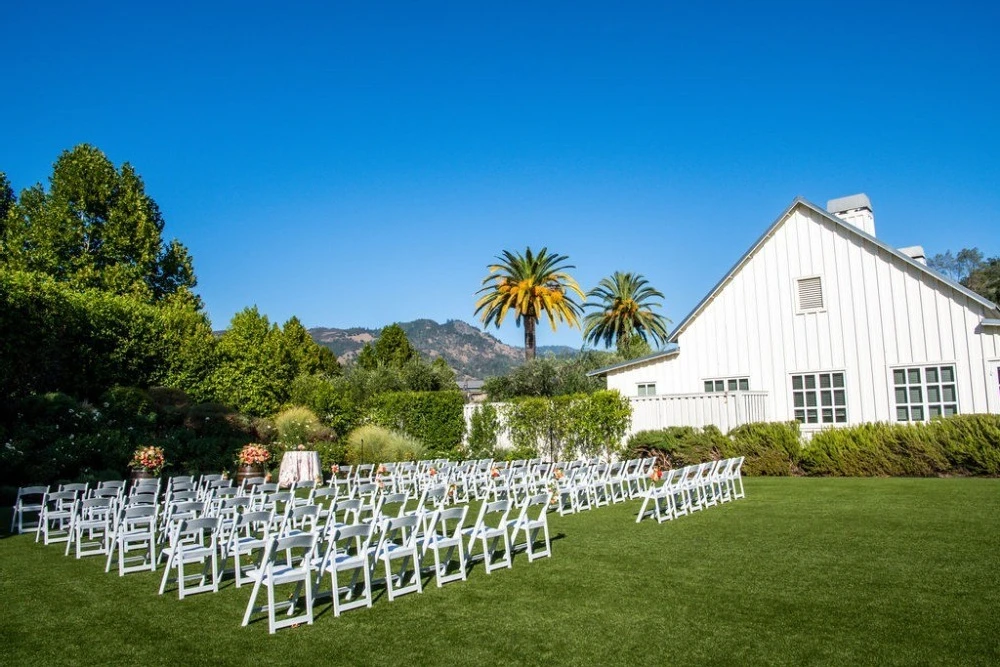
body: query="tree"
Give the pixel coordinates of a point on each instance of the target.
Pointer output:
(530, 285)
(7, 202)
(95, 227)
(307, 356)
(985, 280)
(624, 311)
(255, 370)
(958, 267)
(392, 348)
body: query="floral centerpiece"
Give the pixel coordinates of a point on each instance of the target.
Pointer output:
(148, 461)
(253, 455)
(657, 474)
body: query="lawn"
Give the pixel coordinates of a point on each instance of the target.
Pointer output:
(801, 571)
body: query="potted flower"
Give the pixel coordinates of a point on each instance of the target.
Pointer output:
(147, 462)
(251, 460)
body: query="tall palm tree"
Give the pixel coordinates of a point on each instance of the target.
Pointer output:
(530, 285)
(625, 303)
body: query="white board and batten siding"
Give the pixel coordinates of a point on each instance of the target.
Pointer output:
(880, 311)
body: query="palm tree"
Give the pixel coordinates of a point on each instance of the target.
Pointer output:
(530, 285)
(625, 303)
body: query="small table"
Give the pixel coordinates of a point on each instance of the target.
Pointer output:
(297, 467)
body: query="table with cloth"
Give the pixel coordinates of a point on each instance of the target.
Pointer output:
(299, 466)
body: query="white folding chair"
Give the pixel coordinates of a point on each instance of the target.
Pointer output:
(275, 573)
(30, 500)
(531, 526)
(193, 541)
(398, 542)
(250, 537)
(55, 516)
(135, 530)
(444, 533)
(491, 529)
(348, 550)
(91, 517)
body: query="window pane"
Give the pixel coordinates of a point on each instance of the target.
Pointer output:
(950, 410)
(799, 398)
(934, 394)
(838, 379)
(914, 375)
(839, 397)
(800, 415)
(811, 417)
(933, 410)
(720, 385)
(900, 395)
(828, 415)
(931, 374)
(811, 399)
(917, 413)
(841, 415)
(902, 414)
(826, 397)
(948, 393)
(899, 376)
(744, 384)
(916, 395)
(732, 385)
(947, 374)
(708, 385)
(810, 381)
(824, 381)
(796, 382)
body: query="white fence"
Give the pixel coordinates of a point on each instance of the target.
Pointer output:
(726, 410)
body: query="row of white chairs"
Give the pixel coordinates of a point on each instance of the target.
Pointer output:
(693, 488)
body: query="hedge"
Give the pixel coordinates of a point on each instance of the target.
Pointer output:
(958, 445)
(435, 418)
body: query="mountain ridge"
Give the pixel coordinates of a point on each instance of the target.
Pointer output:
(472, 352)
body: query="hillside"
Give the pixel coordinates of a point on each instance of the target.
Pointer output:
(471, 352)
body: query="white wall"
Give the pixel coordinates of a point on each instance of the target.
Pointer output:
(880, 312)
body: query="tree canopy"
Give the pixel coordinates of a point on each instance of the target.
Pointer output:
(623, 311)
(531, 285)
(94, 227)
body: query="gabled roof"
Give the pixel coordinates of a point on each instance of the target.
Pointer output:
(635, 362)
(850, 229)
(846, 226)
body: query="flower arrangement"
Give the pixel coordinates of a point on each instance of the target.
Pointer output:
(253, 455)
(382, 470)
(335, 469)
(432, 472)
(148, 458)
(559, 474)
(656, 475)
(495, 472)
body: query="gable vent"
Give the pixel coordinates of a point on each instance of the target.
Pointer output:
(810, 294)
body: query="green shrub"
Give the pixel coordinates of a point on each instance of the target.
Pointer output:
(484, 430)
(678, 446)
(332, 399)
(971, 443)
(874, 450)
(770, 448)
(296, 426)
(375, 444)
(435, 418)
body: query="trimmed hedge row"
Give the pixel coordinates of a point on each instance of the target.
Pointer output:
(958, 445)
(435, 418)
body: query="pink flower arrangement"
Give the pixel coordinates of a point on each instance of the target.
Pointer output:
(495, 472)
(559, 474)
(334, 469)
(253, 455)
(382, 470)
(432, 472)
(148, 458)
(656, 475)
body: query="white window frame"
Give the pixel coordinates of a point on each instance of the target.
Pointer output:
(795, 295)
(725, 384)
(925, 405)
(818, 389)
(639, 386)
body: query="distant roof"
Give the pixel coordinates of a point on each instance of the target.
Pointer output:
(849, 203)
(633, 362)
(470, 385)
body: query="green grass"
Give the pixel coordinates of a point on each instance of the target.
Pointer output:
(802, 571)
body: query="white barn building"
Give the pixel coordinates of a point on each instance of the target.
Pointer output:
(822, 323)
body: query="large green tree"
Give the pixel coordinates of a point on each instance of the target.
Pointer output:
(529, 285)
(95, 227)
(623, 310)
(986, 279)
(392, 348)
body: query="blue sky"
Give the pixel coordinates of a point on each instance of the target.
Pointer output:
(361, 163)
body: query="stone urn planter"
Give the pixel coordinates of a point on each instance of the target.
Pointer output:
(135, 474)
(246, 472)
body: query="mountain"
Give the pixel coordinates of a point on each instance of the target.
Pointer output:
(473, 353)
